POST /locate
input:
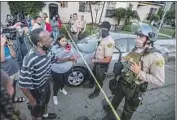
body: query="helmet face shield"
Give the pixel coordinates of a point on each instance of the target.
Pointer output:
(144, 29)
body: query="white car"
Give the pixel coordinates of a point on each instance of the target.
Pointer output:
(87, 47)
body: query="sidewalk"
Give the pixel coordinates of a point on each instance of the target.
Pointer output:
(158, 102)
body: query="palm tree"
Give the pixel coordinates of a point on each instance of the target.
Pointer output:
(131, 15)
(120, 14)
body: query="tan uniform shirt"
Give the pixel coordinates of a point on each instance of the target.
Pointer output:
(105, 48)
(83, 24)
(76, 25)
(153, 69)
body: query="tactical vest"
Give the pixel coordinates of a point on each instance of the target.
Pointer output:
(126, 73)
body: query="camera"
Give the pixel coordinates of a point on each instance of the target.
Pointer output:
(10, 33)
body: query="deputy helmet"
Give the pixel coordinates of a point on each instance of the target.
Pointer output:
(144, 29)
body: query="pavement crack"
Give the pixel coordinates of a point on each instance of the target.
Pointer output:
(162, 114)
(165, 86)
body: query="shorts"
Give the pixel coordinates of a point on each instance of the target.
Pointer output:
(42, 96)
(15, 76)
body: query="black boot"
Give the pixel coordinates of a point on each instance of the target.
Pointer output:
(93, 95)
(107, 108)
(50, 116)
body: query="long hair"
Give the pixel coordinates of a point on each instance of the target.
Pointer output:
(58, 39)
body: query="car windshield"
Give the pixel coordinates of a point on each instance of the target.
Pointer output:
(88, 47)
(89, 43)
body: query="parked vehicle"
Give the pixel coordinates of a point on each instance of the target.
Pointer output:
(87, 47)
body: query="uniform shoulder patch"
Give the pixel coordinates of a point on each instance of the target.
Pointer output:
(160, 63)
(109, 45)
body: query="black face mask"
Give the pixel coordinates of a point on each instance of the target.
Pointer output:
(45, 48)
(104, 32)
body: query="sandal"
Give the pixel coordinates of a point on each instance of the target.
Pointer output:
(19, 99)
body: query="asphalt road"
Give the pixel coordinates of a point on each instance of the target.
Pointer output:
(158, 103)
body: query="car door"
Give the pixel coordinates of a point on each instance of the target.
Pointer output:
(122, 44)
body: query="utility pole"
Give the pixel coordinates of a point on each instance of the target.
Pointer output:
(166, 8)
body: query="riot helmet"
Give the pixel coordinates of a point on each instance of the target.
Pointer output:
(144, 29)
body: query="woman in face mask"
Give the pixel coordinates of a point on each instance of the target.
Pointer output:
(61, 69)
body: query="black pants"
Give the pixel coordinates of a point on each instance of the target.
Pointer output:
(99, 71)
(131, 99)
(42, 96)
(59, 81)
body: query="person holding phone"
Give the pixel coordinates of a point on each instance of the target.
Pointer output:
(61, 69)
(10, 65)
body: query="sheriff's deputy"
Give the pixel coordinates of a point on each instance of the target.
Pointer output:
(102, 58)
(143, 65)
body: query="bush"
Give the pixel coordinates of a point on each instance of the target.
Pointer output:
(63, 31)
(90, 30)
(28, 7)
(127, 28)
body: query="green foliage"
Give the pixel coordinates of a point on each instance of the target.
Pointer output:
(131, 15)
(167, 31)
(156, 18)
(63, 31)
(152, 17)
(120, 14)
(170, 15)
(160, 13)
(28, 7)
(127, 28)
(91, 29)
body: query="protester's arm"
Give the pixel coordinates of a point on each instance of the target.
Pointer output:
(3, 41)
(25, 82)
(2, 53)
(11, 49)
(27, 93)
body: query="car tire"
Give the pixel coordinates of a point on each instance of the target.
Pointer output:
(79, 76)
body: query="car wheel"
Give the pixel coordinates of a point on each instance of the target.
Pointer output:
(76, 77)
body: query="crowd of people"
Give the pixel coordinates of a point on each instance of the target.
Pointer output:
(50, 58)
(33, 76)
(77, 26)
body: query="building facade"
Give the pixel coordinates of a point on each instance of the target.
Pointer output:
(100, 13)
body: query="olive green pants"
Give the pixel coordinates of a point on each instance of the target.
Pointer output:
(131, 99)
(99, 72)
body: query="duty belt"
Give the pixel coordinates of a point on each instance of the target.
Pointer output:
(142, 86)
(131, 86)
